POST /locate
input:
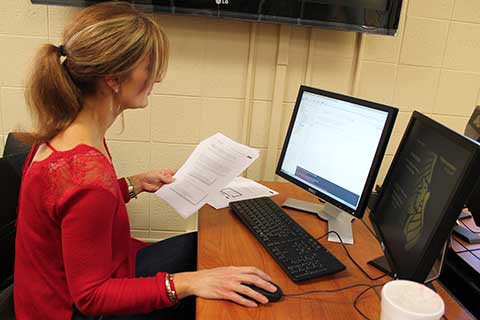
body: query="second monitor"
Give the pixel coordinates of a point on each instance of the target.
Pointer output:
(333, 149)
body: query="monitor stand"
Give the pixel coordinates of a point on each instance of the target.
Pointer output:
(381, 264)
(338, 220)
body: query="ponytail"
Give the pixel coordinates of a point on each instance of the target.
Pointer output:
(52, 96)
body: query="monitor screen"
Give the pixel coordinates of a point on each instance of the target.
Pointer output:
(425, 189)
(334, 147)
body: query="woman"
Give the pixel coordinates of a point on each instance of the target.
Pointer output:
(74, 254)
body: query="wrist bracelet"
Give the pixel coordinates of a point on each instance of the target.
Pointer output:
(172, 295)
(131, 188)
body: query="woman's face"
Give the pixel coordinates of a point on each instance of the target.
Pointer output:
(135, 90)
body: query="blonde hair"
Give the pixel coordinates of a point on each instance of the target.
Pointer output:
(109, 38)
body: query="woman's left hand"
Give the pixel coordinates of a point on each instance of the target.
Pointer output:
(153, 180)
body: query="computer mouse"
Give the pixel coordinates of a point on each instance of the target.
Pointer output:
(271, 296)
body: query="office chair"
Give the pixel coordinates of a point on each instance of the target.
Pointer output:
(17, 150)
(11, 164)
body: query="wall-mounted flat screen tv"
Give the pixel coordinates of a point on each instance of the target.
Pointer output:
(373, 16)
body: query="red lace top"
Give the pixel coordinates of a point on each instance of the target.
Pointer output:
(73, 242)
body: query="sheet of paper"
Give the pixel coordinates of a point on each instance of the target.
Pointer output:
(214, 163)
(239, 189)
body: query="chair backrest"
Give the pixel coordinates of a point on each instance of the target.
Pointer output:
(14, 146)
(9, 190)
(7, 310)
(11, 164)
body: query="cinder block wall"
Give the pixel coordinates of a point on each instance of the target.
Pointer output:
(241, 79)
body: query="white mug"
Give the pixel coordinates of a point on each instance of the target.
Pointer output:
(408, 300)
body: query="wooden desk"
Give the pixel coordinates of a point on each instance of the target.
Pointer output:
(223, 240)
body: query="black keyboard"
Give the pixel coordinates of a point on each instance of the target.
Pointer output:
(294, 249)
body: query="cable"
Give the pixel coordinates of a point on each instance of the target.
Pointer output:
(465, 250)
(361, 294)
(469, 229)
(468, 250)
(328, 290)
(341, 289)
(351, 258)
(459, 251)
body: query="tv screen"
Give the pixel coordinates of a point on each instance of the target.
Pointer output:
(373, 16)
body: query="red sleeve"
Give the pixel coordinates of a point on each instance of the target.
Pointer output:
(87, 251)
(138, 244)
(122, 183)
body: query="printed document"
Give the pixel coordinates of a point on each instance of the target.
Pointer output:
(214, 163)
(239, 189)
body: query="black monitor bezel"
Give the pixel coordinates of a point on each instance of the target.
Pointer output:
(377, 160)
(454, 204)
(392, 10)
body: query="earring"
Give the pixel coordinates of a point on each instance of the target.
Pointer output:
(116, 110)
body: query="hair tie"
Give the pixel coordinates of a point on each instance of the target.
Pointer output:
(61, 51)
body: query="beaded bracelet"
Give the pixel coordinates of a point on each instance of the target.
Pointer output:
(172, 295)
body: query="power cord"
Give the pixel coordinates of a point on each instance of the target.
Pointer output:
(358, 285)
(350, 257)
(468, 250)
(469, 229)
(357, 298)
(472, 252)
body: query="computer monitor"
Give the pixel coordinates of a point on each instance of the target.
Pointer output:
(333, 149)
(427, 184)
(472, 130)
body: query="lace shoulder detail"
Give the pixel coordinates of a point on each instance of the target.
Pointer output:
(69, 171)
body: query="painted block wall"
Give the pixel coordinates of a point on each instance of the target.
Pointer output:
(241, 79)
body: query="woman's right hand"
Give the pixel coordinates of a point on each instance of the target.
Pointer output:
(225, 283)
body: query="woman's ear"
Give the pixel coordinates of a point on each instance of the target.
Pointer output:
(113, 83)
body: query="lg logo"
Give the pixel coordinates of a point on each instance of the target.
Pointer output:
(221, 2)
